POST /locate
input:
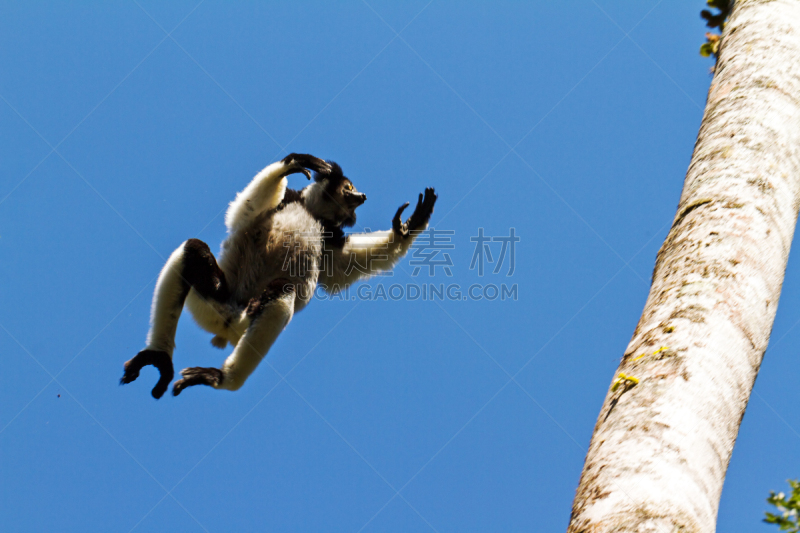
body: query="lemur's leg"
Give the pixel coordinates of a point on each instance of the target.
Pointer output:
(268, 315)
(191, 266)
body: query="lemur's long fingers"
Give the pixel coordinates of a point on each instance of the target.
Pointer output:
(424, 210)
(397, 224)
(430, 200)
(314, 163)
(161, 387)
(400, 210)
(198, 376)
(308, 161)
(297, 170)
(160, 360)
(181, 384)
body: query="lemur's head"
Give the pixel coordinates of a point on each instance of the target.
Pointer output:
(333, 197)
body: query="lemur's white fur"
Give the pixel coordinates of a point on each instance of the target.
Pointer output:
(265, 192)
(257, 341)
(164, 317)
(366, 254)
(255, 253)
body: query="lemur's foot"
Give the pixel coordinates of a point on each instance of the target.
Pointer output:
(421, 215)
(197, 375)
(306, 162)
(161, 360)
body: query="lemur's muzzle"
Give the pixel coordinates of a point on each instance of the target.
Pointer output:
(359, 198)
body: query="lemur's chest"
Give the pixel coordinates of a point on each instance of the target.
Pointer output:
(286, 243)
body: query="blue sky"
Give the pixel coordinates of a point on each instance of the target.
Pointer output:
(127, 127)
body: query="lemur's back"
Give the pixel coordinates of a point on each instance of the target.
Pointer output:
(282, 243)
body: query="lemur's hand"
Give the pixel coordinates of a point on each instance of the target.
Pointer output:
(421, 215)
(304, 163)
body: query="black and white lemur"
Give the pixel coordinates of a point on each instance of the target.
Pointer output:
(282, 243)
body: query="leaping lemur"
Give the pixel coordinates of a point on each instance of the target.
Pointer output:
(282, 243)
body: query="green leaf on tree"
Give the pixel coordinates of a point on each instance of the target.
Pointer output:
(788, 508)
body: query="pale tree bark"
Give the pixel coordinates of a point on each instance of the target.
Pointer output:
(664, 436)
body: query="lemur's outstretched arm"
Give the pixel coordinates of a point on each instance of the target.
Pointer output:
(266, 190)
(191, 265)
(268, 316)
(367, 254)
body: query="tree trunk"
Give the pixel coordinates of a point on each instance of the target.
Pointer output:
(664, 436)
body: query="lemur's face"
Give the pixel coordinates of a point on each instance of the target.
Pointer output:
(346, 198)
(333, 197)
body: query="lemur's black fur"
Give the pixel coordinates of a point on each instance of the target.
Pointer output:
(201, 272)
